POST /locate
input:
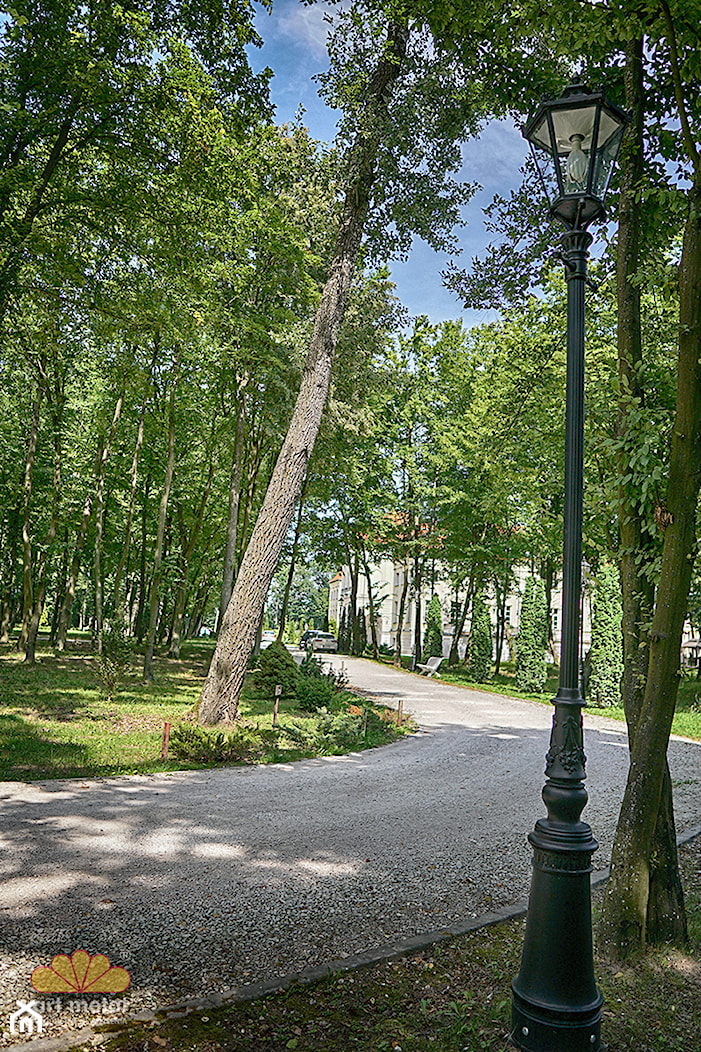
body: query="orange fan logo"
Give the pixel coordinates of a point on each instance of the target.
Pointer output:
(80, 973)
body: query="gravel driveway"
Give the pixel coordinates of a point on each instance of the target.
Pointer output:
(198, 881)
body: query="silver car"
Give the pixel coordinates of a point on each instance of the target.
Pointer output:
(323, 641)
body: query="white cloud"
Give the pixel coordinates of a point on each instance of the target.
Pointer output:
(306, 25)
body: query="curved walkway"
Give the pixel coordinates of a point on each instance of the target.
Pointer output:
(199, 881)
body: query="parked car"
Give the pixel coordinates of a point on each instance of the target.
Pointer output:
(306, 636)
(323, 641)
(268, 637)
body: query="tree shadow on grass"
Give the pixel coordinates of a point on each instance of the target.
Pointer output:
(25, 750)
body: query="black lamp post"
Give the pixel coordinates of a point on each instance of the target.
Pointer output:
(556, 1004)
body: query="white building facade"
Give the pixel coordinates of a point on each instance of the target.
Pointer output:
(387, 586)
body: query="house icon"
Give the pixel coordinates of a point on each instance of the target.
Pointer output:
(26, 1019)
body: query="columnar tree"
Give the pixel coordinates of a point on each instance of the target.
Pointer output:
(479, 654)
(606, 639)
(532, 638)
(433, 641)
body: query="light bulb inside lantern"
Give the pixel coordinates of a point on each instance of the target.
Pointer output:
(577, 162)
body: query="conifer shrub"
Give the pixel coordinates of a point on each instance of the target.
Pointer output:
(275, 666)
(479, 656)
(532, 639)
(433, 640)
(606, 640)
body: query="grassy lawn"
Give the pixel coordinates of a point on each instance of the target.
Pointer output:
(454, 997)
(687, 719)
(55, 722)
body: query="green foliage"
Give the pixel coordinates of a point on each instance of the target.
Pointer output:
(479, 657)
(275, 666)
(433, 641)
(315, 692)
(532, 639)
(606, 640)
(188, 741)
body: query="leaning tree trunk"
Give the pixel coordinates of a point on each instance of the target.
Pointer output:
(238, 630)
(663, 916)
(625, 919)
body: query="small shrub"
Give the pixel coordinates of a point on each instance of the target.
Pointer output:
(315, 692)
(115, 660)
(433, 640)
(311, 665)
(188, 741)
(275, 666)
(479, 658)
(337, 732)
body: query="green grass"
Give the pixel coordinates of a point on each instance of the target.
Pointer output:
(687, 718)
(56, 723)
(453, 997)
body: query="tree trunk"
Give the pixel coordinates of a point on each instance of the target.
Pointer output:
(663, 915)
(27, 578)
(223, 686)
(191, 544)
(7, 604)
(418, 572)
(57, 406)
(158, 555)
(99, 521)
(371, 604)
(116, 588)
(232, 527)
(291, 571)
(400, 617)
(626, 917)
(139, 618)
(454, 655)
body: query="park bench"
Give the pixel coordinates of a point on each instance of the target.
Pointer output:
(431, 667)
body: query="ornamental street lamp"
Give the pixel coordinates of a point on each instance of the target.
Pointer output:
(556, 1005)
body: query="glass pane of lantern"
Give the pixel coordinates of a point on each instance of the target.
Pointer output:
(574, 128)
(607, 154)
(546, 169)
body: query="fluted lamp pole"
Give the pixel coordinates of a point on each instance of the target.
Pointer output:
(556, 1004)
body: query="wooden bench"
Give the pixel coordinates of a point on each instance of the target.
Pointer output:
(431, 667)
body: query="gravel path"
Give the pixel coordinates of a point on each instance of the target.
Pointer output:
(199, 881)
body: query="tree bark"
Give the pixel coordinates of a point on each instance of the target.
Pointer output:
(27, 579)
(232, 528)
(99, 521)
(291, 571)
(400, 616)
(158, 555)
(626, 918)
(116, 588)
(454, 655)
(189, 546)
(662, 915)
(371, 605)
(236, 638)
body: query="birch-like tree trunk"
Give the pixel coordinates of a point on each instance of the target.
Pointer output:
(243, 615)
(400, 616)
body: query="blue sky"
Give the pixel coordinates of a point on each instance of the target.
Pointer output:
(294, 38)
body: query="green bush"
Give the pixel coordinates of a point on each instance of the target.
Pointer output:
(338, 732)
(315, 692)
(275, 666)
(188, 741)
